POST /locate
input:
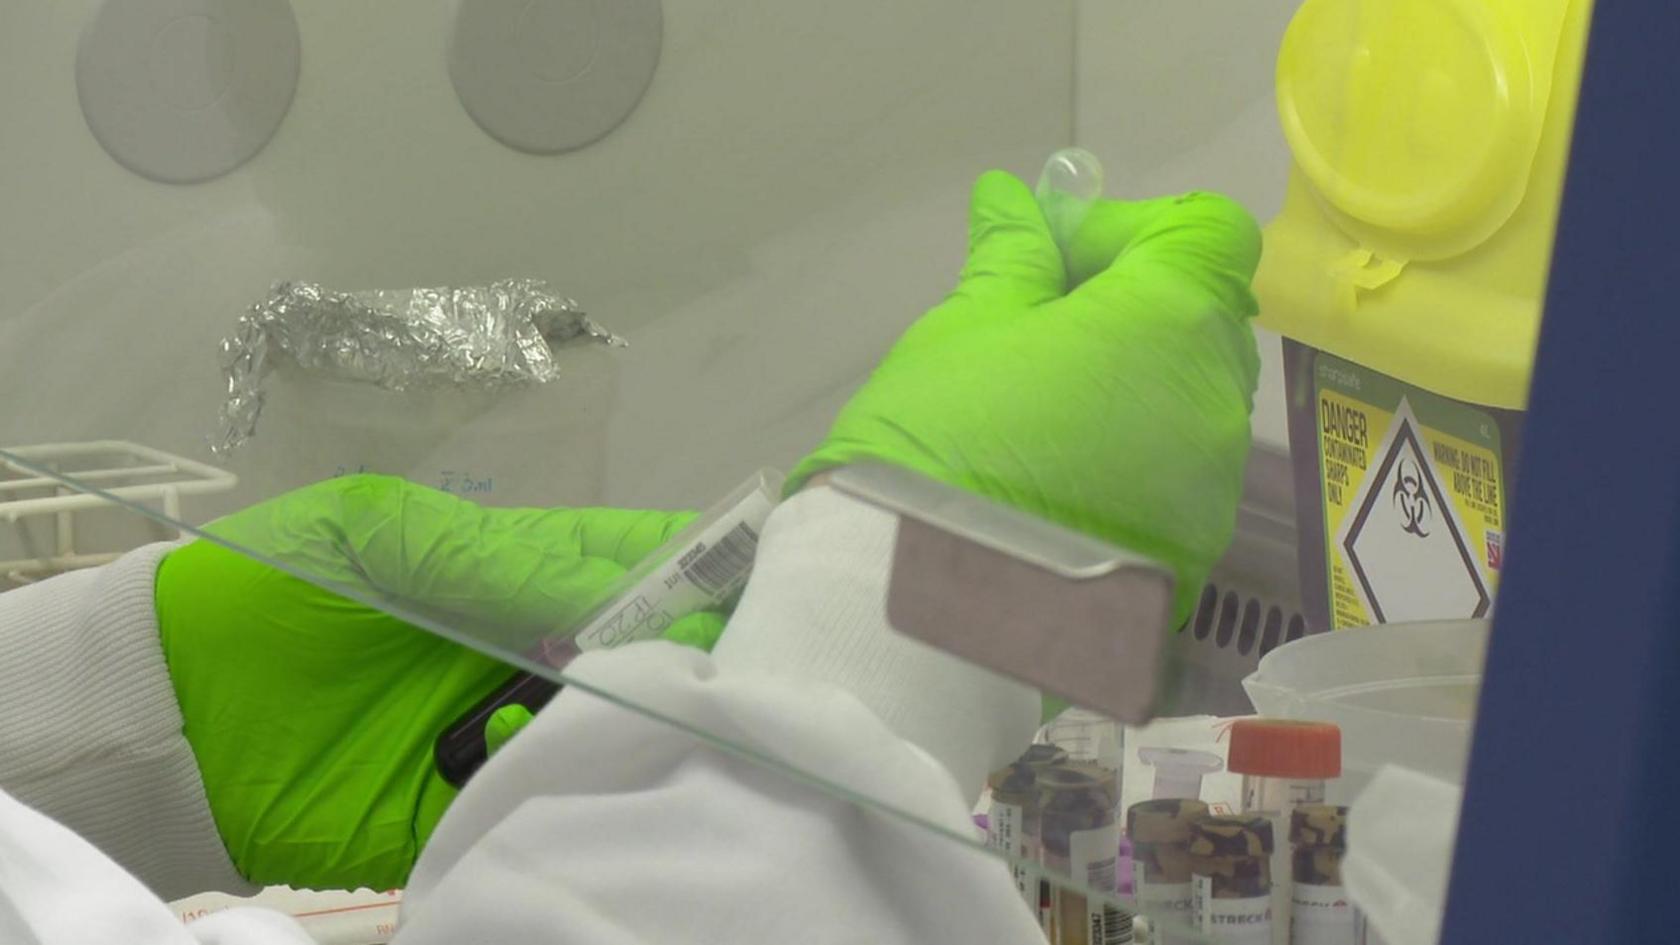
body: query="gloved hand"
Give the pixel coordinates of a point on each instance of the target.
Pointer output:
(312, 716)
(1119, 408)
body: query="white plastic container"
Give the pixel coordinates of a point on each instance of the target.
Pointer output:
(1402, 693)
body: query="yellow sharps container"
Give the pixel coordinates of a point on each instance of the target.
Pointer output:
(1406, 274)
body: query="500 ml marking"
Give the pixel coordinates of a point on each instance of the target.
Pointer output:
(465, 483)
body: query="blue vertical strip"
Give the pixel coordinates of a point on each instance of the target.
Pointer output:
(1571, 823)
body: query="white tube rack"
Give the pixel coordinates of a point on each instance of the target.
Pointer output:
(33, 485)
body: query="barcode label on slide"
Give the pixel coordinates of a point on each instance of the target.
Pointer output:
(721, 569)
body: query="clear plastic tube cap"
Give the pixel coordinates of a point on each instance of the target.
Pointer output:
(1072, 180)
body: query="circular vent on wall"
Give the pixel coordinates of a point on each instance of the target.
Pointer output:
(546, 76)
(182, 91)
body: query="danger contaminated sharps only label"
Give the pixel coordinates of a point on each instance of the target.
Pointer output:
(1414, 499)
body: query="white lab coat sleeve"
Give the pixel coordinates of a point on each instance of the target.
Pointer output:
(683, 820)
(90, 730)
(58, 889)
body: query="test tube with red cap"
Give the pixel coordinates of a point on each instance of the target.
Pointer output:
(1284, 763)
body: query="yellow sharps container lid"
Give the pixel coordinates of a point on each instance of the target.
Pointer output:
(1430, 140)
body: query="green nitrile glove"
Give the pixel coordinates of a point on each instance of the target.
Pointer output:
(1119, 408)
(312, 716)
(504, 724)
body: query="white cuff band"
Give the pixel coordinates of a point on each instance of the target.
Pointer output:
(816, 608)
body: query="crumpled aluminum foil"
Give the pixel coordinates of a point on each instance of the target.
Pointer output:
(484, 337)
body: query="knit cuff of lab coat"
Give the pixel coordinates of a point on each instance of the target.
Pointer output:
(90, 730)
(815, 609)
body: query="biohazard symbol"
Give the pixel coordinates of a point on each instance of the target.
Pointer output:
(1410, 498)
